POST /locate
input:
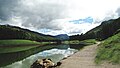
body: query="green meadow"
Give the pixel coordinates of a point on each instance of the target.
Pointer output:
(17, 42)
(7, 46)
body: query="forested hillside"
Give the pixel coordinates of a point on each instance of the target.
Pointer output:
(13, 32)
(101, 32)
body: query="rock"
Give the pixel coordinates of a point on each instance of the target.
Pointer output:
(45, 63)
(58, 63)
(36, 65)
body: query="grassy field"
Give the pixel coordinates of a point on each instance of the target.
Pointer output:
(85, 42)
(7, 46)
(89, 41)
(109, 50)
(17, 42)
(15, 49)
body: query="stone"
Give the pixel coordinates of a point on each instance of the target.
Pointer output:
(45, 63)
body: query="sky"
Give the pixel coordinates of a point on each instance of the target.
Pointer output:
(55, 17)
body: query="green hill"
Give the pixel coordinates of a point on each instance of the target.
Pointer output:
(109, 33)
(101, 32)
(109, 50)
(12, 32)
(105, 30)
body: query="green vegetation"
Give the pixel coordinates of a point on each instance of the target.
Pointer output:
(7, 46)
(109, 33)
(85, 42)
(15, 49)
(13, 32)
(89, 41)
(71, 42)
(17, 42)
(101, 32)
(109, 50)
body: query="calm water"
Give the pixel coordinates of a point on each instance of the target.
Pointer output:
(26, 58)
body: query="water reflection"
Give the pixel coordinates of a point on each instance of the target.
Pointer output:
(8, 58)
(21, 59)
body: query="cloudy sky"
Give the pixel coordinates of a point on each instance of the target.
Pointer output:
(58, 16)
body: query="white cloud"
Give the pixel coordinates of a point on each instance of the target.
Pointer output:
(71, 28)
(54, 15)
(118, 11)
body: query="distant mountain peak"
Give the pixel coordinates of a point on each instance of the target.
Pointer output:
(62, 37)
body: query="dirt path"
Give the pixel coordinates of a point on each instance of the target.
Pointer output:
(84, 59)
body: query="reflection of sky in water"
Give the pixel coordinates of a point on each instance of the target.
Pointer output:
(55, 54)
(57, 51)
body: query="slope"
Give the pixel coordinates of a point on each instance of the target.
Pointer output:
(13, 32)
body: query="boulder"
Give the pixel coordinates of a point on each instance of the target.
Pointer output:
(44, 63)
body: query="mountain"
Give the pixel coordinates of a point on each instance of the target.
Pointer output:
(14, 32)
(105, 30)
(62, 37)
(101, 32)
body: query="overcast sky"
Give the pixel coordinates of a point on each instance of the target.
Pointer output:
(58, 16)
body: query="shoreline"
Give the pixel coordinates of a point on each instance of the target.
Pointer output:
(84, 59)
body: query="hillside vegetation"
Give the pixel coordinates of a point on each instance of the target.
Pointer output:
(105, 30)
(109, 50)
(109, 33)
(101, 32)
(13, 32)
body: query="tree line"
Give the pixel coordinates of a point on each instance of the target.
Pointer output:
(13, 32)
(101, 32)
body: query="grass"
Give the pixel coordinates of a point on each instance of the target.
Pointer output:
(85, 42)
(109, 50)
(8, 46)
(88, 41)
(15, 49)
(71, 42)
(17, 42)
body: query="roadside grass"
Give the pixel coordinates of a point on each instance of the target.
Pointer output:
(109, 50)
(17, 42)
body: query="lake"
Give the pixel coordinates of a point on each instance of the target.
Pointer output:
(24, 59)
